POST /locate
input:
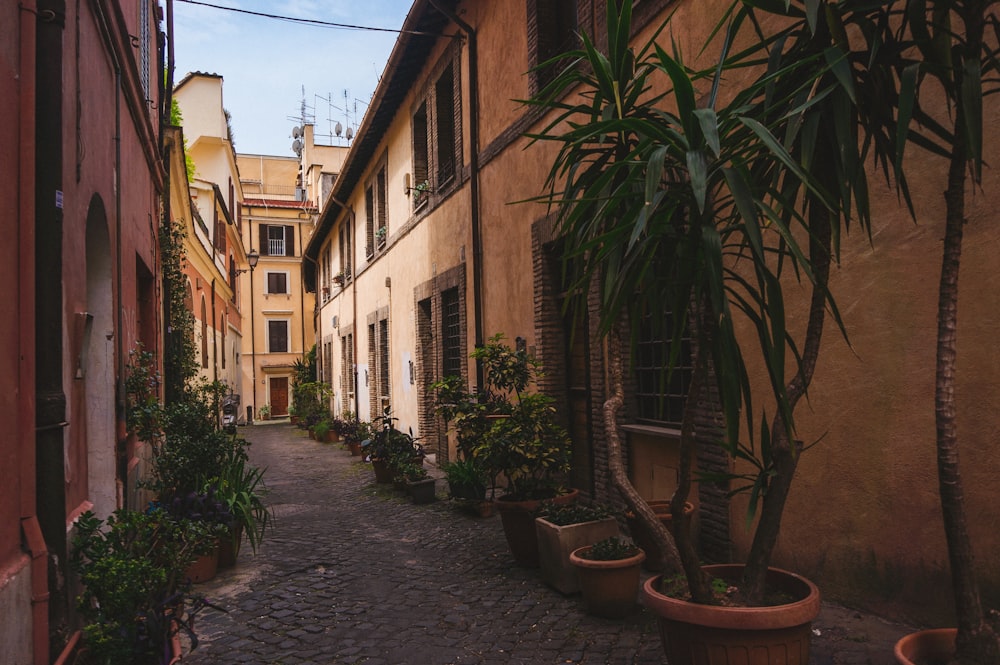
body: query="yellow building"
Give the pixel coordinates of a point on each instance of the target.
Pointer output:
(280, 205)
(214, 246)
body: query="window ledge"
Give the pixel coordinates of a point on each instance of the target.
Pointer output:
(652, 430)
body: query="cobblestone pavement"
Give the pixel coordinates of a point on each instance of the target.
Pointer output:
(354, 573)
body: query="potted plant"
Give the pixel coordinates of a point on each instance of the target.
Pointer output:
(135, 601)
(656, 192)
(389, 448)
(321, 431)
(609, 577)
(953, 45)
(241, 489)
(206, 510)
(561, 530)
(265, 412)
(418, 483)
(466, 480)
(520, 443)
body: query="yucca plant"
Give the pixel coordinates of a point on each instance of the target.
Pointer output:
(679, 201)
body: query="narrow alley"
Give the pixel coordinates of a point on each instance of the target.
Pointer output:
(354, 573)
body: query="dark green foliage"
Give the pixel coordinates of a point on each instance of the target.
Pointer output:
(241, 488)
(610, 549)
(507, 431)
(180, 364)
(573, 513)
(392, 445)
(132, 569)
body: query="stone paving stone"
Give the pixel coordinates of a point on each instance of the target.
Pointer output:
(353, 573)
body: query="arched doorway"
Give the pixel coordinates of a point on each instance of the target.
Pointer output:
(97, 364)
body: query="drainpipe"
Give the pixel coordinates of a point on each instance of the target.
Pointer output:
(33, 540)
(476, 219)
(50, 416)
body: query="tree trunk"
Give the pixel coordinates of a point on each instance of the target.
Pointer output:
(786, 451)
(976, 642)
(671, 559)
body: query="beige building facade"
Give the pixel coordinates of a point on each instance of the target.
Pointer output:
(424, 251)
(280, 206)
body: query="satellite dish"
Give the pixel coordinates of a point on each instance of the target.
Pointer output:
(297, 147)
(338, 129)
(295, 132)
(350, 133)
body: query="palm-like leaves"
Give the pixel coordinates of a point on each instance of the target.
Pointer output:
(677, 199)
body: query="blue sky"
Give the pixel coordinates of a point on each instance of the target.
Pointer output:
(265, 63)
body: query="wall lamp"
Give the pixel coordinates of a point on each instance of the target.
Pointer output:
(252, 258)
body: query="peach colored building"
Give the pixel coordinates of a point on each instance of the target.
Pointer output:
(79, 203)
(426, 253)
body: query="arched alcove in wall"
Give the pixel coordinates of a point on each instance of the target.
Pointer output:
(98, 363)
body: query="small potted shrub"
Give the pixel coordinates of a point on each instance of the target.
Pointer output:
(418, 483)
(135, 601)
(563, 529)
(389, 448)
(609, 576)
(466, 480)
(206, 509)
(241, 488)
(265, 412)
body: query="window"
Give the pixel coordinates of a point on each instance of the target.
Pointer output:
(378, 361)
(145, 46)
(346, 248)
(451, 334)
(552, 28)
(347, 367)
(277, 282)
(444, 122)
(436, 133)
(204, 335)
(222, 332)
(421, 152)
(660, 397)
(376, 216)
(277, 240)
(277, 336)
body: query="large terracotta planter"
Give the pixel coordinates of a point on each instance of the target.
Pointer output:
(926, 646)
(642, 537)
(518, 520)
(556, 543)
(696, 634)
(609, 587)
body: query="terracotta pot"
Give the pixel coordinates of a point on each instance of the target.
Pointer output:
(204, 567)
(927, 647)
(712, 635)
(556, 543)
(609, 587)
(644, 539)
(519, 525)
(354, 447)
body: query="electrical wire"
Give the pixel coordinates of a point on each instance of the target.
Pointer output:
(308, 21)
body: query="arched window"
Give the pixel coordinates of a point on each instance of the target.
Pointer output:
(222, 332)
(204, 334)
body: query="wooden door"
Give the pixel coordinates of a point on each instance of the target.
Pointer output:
(279, 396)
